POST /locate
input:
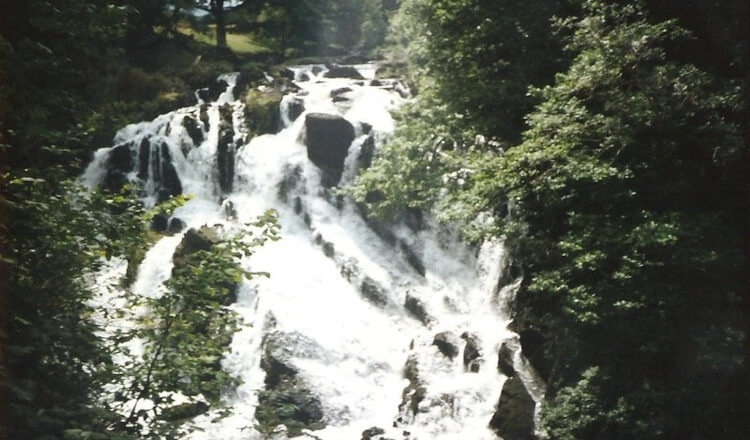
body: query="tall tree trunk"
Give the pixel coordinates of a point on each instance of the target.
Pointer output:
(221, 29)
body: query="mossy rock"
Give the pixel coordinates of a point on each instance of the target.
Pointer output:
(262, 110)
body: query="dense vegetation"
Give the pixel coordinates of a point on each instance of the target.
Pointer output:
(620, 182)
(605, 141)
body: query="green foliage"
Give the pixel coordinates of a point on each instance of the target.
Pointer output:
(54, 236)
(623, 202)
(189, 328)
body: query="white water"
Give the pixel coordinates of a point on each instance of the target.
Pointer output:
(352, 353)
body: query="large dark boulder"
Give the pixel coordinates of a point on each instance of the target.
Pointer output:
(339, 71)
(514, 417)
(328, 138)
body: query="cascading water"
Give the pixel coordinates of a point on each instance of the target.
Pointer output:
(391, 326)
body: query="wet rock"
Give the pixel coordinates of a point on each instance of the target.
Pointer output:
(514, 416)
(159, 223)
(366, 153)
(339, 71)
(376, 83)
(446, 343)
(120, 158)
(225, 149)
(416, 308)
(340, 91)
(415, 392)
(412, 258)
(262, 113)
(203, 115)
(297, 205)
(295, 108)
(119, 163)
(165, 176)
(340, 98)
(316, 70)
(291, 179)
(193, 129)
(371, 433)
(287, 399)
(366, 128)
(303, 77)
(328, 138)
(373, 292)
(472, 352)
(228, 210)
(505, 360)
(175, 225)
(144, 154)
(328, 249)
(213, 91)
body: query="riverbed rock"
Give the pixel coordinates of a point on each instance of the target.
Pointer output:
(472, 352)
(373, 292)
(295, 107)
(328, 138)
(165, 175)
(514, 416)
(193, 129)
(225, 149)
(371, 433)
(445, 342)
(416, 308)
(366, 152)
(415, 391)
(286, 399)
(339, 71)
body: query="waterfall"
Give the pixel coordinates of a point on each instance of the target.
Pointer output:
(397, 327)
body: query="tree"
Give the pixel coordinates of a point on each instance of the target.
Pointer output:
(218, 8)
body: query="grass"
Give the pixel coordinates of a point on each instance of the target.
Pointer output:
(238, 43)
